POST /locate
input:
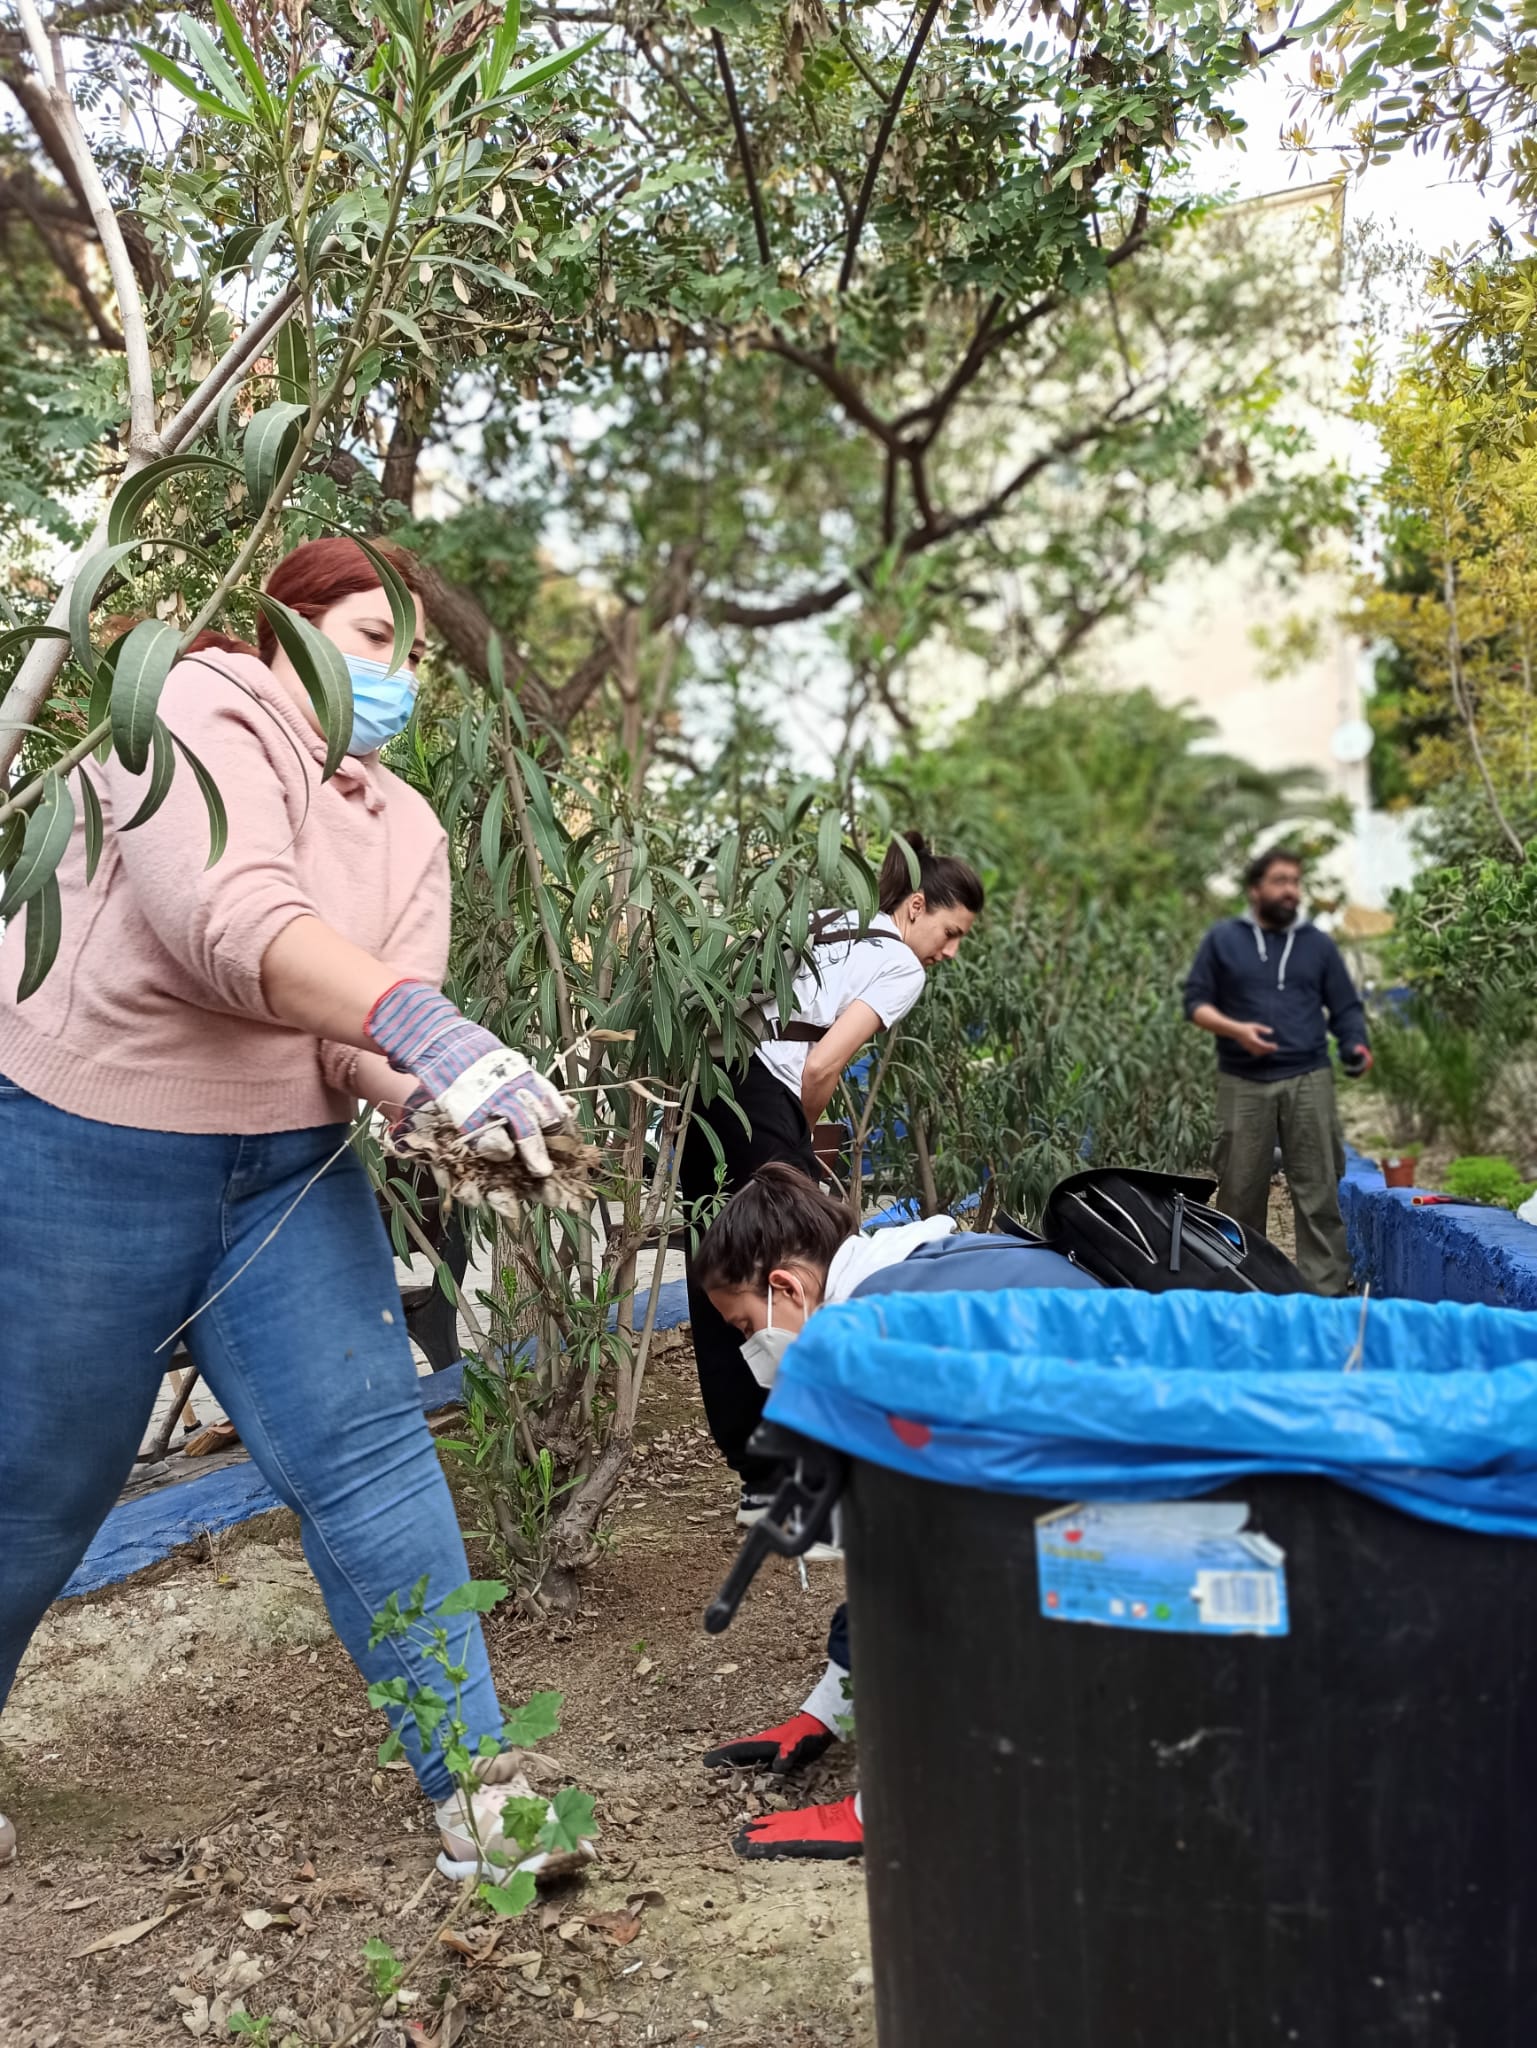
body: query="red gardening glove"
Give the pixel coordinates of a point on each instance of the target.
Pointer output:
(789, 1747)
(830, 1833)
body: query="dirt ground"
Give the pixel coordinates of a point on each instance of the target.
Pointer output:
(194, 1750)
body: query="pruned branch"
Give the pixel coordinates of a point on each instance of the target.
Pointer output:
(882, 140)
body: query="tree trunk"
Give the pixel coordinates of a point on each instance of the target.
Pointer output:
(407, 441)
(571, 1536)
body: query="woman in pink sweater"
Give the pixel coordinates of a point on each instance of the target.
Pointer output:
(183, 1075)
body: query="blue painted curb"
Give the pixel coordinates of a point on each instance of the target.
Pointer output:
(140, 1532)
(1435, 1254)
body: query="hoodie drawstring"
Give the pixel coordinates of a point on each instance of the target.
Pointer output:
(1286, 953)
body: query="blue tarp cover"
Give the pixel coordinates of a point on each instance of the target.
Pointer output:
(1125, 1396)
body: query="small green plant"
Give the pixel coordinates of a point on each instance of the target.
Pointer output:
(385, 1969)
(252, 2028)
(557, 1826)
(1478, 1179)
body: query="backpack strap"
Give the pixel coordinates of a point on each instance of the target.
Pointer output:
(798, 1032)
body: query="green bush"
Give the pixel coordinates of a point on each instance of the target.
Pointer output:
(1056, 1041)
(1477, 1179)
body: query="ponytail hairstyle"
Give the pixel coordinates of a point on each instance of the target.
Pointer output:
(781, 1218)
(944, 881)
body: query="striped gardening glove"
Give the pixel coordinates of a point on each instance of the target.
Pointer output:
(490, 1093)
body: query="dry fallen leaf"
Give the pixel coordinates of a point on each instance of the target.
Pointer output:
(646, 1664)
(79, 1905)
(618, 1928)
(570, 1929)
(477, 1948)
(257, 1918)
(125, 1937)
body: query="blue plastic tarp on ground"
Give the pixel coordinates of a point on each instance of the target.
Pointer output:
(1125, 1396)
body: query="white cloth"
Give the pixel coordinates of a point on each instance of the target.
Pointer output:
(887, 974)
(827, 1702)
(858, 1257)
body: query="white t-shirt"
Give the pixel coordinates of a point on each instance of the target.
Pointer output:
(885, 973)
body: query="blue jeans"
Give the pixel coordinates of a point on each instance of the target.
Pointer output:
(109, 1237)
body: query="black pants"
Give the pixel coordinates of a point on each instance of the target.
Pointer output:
(733, 1400)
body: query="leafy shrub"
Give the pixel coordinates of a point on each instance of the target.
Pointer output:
(1057, 1040)
(1479, 1179)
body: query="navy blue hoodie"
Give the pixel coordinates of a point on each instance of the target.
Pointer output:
(1289, 980)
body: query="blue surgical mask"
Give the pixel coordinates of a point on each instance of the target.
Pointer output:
(381, 703)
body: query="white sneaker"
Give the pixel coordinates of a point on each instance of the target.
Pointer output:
(471, 1828)
(754, 1506)
(7, 1840)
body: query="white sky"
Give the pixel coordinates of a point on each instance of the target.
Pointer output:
(1413, 197)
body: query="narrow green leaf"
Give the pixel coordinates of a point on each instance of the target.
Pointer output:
(90, 804)
(234, 39)
(829, 844)
(491, 829)
(212, 59)
(89, 577)
(12, 833)
(269, 441)
(543, 69)
(218, 817)
(162, 767)
(42, 847)
(173, 74)
(319, 665)
(23, 636)
(293, 361)
(401, 601)
(532, 1723)
(135, 492)
(503, 48)
(40, 940)
(148, 655)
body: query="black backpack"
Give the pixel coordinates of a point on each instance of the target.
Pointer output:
(1155, 1231)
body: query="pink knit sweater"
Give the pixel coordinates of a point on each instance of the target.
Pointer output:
(153, 1014)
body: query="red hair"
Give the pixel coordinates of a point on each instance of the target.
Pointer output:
(320, 573)
(210, 642)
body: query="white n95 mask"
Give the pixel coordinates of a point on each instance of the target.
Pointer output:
(763, 1350)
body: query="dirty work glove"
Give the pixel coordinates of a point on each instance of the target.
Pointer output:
(789, 1747)
(826, 1832)
(479, 1084)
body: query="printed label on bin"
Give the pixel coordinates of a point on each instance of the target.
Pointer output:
(1186, 1567)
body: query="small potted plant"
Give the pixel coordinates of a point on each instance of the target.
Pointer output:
(1399, 1169)
(1398, 1163)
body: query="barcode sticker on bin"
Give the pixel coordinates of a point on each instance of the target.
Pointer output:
(1238, 1599)
(1184, 1567)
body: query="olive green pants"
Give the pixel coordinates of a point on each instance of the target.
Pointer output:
(1299, 1115)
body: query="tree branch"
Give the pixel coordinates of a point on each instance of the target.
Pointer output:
(67, 262)
(35, 678)
(882, 140)
(743, 148)
(49, 60)
(813, 604)
(840, 384)
(990, 337)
